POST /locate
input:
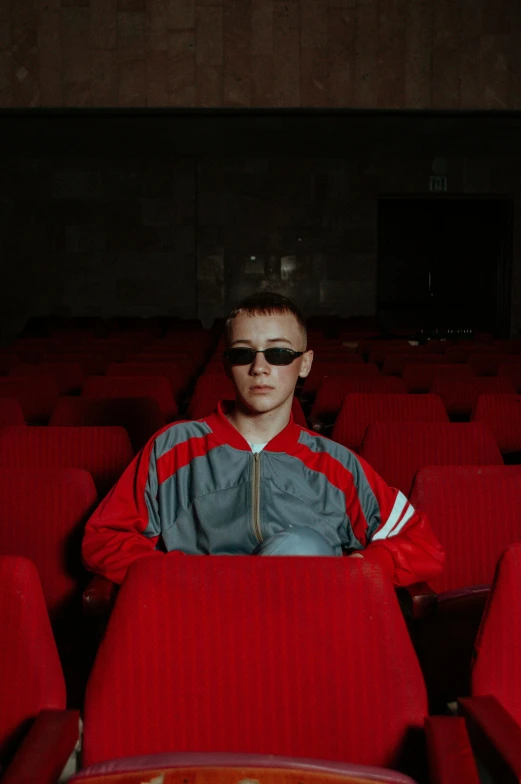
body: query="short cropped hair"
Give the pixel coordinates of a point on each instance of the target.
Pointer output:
(266, 303)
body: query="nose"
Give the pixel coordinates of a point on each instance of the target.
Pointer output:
(259, 365)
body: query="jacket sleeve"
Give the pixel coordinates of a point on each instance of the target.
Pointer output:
(394, 534)
(126, 524)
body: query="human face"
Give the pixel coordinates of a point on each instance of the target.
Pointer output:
(262, 388)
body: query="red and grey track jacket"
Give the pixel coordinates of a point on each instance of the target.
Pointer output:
(197, 488)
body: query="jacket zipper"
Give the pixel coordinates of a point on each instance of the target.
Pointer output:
(256, 497)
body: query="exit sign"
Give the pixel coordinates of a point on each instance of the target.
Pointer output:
(438, 184)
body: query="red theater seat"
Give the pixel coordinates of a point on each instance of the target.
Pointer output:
(37, 401)
(486, 364)
(332, 392)
(68, 376)
(396, 450)
(494, 710)
(91, 364)
(177, 376)
(104, 452)
(512, 371)
(395, 363)
(279, 656)
(10, 412)
(363, 409)
(140, 416)
(156, 387)
(42, 514)
(418, 378)
(319, 370)
(31, 681)
(460, 395)
(502, 414)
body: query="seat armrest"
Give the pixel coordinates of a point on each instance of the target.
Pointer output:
(449, 751)
(471, 599)
(45, 749)
(496, 736)
(418, 600)
(99, 596)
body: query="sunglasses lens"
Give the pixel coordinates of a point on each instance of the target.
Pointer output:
(279, 356)
(241, 356)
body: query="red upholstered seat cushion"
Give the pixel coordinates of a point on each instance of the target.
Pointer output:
(42, 514)
(104, 452)
(475, 512)
(360, 410)
(157, 387)
(31, 678)
(496, 669)
(283, 655)
(396, 450)
(502, 414)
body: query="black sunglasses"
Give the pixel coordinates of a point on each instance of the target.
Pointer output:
(243, 355)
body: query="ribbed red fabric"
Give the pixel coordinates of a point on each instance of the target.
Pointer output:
(209, 389)
(332, 392)
(291, 656)
(67, 375)
(394, 363)
(396, 450)
(321, 369)
(36, 400)
(496, 668)
(10, 412)
(418, 378)
(362, 409)
(502, 414)
(104, 452)
(177, 375)
(156, 387)
(460, 395)
(140, 416)
(31, 677)
(42, 514)
(474, 511)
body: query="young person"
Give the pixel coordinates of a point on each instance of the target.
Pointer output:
(248, 480)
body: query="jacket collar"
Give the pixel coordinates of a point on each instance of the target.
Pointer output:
(285, 441)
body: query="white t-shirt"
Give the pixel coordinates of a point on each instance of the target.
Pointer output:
(256, 447)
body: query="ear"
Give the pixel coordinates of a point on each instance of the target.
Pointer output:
(307, 361)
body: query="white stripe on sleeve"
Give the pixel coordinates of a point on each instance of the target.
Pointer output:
(399, 505)
(407, 516)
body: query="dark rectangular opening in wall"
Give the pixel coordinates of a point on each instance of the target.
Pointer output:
(445, 262)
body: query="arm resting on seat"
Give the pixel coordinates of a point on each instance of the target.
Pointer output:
(99, 596)
(449, 751)
(495, 735)
(46, 748)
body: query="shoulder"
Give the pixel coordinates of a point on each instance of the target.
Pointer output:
(179, 433)
(329, 450)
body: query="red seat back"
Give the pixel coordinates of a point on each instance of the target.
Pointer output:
(360, 410)
(474, 511)
(498, 647)
(485, 364)
(284, 656)
(140, 416)
(176, 375)
(36, 400)
(319, 370)
(394, 363)
(104, 452)
(42, 514)
(156, 387)
(460, 395)
(418, 378)
(502, 414)
(396, 450)
(67, 375)
(332, 392)
(10, 412)
(31, 677)
(512, 371)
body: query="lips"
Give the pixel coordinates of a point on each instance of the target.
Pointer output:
(261, 389)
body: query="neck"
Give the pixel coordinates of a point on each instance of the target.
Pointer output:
(259, 428)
